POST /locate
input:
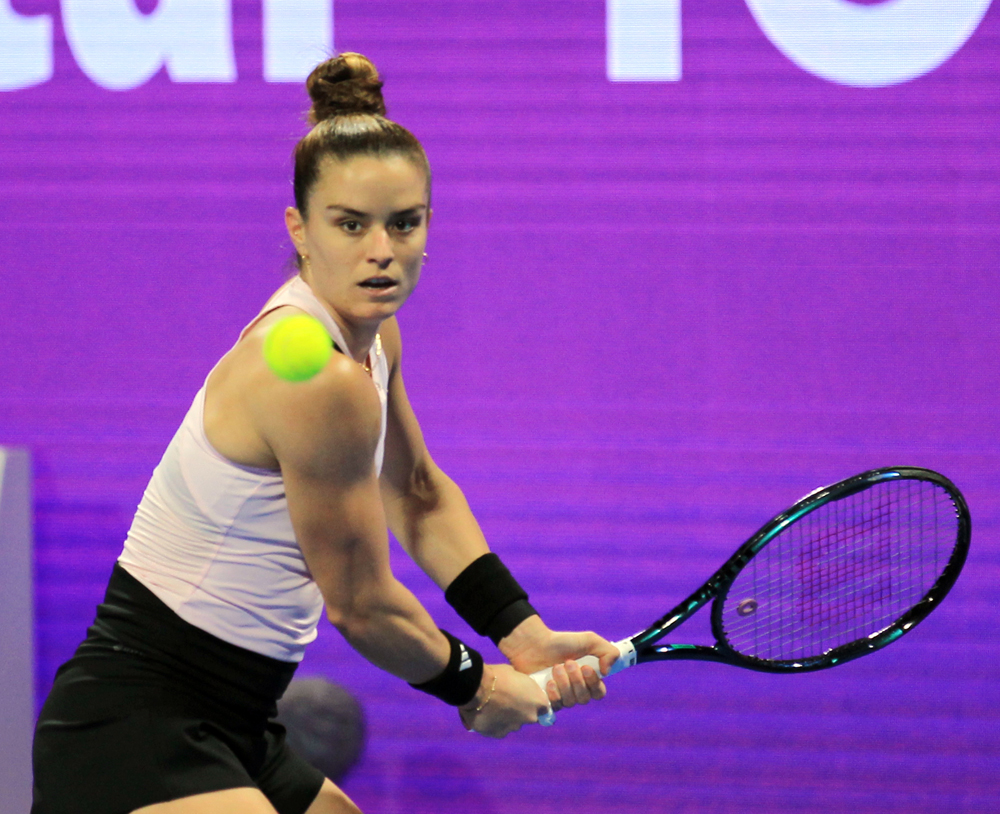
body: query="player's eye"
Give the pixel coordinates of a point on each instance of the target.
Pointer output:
(406, 225)
(351, 226)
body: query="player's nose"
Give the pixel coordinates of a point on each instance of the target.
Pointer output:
(380, 251)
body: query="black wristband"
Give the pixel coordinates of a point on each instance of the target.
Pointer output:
(508, 619)
(489, 598)
(461, 678)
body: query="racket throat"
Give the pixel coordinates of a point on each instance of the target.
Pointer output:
(686, 652)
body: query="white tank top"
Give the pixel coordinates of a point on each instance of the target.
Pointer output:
(213, 539)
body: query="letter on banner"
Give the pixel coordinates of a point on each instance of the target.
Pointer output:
(869, 46)
(119, 47)
(298, 34)
(644, 40)
(25, 48)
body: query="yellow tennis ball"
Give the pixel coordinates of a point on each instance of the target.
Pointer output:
(298, 347)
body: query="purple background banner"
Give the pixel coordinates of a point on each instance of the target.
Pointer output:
(654, 314)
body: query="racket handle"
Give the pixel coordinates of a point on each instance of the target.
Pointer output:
(625, 660)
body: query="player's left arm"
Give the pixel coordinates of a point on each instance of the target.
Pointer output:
(425, 509)
(429, 515)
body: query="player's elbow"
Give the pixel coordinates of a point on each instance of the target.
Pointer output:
(361, 601)
(425, 487)
(352, 618)
(345, 616)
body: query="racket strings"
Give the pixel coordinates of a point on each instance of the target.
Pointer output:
(868, 586)
(857, 580)
(842, 572)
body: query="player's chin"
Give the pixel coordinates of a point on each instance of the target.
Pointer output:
(378, 310)
(384, 301)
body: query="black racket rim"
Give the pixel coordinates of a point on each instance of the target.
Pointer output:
(718, 585)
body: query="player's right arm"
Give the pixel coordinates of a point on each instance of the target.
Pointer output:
(324, 433)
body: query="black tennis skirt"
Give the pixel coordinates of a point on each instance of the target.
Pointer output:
(152, 708)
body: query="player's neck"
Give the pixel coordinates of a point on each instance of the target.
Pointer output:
(358, 334)
(359, 337)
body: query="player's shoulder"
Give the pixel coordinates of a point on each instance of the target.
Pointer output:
(338, 405)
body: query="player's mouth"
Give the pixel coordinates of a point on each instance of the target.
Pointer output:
(380, 283)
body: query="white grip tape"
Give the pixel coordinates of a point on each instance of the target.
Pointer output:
(625, 660)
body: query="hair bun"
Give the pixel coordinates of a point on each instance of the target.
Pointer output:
(344, 85)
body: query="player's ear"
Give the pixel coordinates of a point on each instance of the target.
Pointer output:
(296, 228)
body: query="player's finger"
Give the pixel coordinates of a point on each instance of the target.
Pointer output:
(563, 683)
(581, 692)
(606, 653)
(555, 699)
(607, 661)
(594, 683)
(561, 680)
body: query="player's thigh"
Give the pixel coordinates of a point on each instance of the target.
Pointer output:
(229, 801)
(331, 800)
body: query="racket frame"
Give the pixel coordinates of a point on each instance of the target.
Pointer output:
(717, 586)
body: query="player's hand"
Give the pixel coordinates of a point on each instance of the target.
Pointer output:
(504, 706)
(531, 646)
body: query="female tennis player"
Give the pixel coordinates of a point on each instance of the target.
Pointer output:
(271, 504)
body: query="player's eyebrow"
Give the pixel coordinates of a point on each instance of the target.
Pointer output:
(412, 210)
(347, 210)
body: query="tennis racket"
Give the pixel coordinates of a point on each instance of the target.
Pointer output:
(845, 571)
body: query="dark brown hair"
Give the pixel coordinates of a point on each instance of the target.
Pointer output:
(348, 118)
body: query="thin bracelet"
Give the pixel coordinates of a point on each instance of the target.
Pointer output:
(488, 697)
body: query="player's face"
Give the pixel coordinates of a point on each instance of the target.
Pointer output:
(364, 236)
